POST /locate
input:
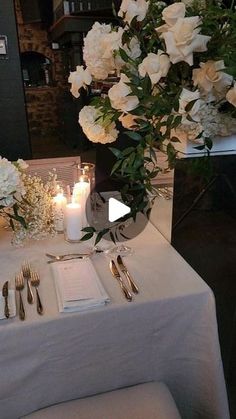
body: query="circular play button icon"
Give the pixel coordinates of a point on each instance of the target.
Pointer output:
(107, 211)
(117, 209)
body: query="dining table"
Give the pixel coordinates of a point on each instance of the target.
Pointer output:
(167, 333)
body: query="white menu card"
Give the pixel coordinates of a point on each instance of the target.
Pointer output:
(77, 285)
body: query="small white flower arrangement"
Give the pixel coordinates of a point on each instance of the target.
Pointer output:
(37, 209)
(12, 190)
(176, 69)
(25, 201)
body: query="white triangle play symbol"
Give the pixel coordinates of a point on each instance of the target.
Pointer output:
(116, 210)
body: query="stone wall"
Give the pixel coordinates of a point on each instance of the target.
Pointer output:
(43, 103)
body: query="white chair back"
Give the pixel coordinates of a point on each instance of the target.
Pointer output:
(66, 168)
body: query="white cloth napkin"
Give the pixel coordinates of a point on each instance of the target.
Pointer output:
(77, 286)
(11, 304)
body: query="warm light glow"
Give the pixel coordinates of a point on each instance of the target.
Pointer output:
(59, 198)
(73, 205)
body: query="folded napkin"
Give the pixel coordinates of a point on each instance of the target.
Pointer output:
(77, 286)
(11, 304)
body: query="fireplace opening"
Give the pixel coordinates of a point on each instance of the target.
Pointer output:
(36, 69)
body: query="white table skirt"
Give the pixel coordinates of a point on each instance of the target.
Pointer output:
(168, 333)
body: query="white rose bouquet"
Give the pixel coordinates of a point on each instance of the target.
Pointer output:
(176, 69)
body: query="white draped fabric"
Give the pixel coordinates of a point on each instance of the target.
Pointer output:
(168, 333)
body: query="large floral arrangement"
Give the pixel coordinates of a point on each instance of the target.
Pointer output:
(176, 69)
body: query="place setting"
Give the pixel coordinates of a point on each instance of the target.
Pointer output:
(29, 280)
(77, 284)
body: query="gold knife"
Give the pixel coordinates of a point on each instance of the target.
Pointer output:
(125, 271)
(116, 274)
(5, 295)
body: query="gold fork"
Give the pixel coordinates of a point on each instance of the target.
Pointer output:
(26, 273)
(20, 283)
(35, 281)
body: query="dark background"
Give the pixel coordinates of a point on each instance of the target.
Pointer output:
(14, 139)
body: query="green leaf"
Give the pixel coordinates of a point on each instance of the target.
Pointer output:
(154, 174)
(169, 120)
(177, 121)
(139, 111)
(134, 135)
(86, 237)
(189, 118)
(208, 143)
(101, 234)
(147, 85)
(112, 237)
(116, 166)
(199, 147)
(127, 151)
(123, 55)
(176, 105)
(190, 105)
(116, 152)
(89, 229)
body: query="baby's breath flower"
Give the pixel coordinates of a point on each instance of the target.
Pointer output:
(37, 208)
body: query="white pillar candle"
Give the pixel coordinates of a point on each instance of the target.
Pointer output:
(73, 222)
(81, 194)
(60, 202)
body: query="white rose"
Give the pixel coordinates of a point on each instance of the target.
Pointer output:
(133, 8)
(155, 65)
(183, 38)
(171, 13)
(111, 43)
(79, 78)
(187, 96)
(99, 46)
(95, 127)
(210, 79)
(119, 96)
(231, 95)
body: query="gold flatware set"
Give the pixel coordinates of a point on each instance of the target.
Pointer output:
(20, 284)
(5, 295)
(70, 256)
(31, 278)
(115, 272)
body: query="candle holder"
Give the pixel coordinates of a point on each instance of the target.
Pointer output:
(59, 204)
(83, 190)
(87, 170)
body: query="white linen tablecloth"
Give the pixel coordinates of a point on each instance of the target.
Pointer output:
(168, 333)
